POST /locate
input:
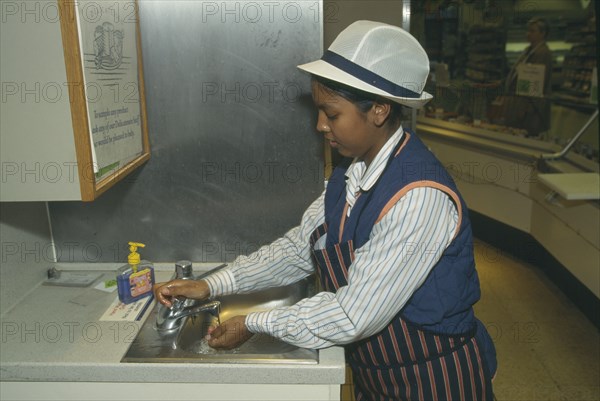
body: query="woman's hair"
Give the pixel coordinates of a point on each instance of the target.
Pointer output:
(362, 100)
(542, 25)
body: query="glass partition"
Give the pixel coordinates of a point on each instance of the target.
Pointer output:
(513, 67)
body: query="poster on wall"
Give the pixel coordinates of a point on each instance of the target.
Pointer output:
(107, 36)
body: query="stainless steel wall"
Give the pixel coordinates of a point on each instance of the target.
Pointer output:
(235, 156)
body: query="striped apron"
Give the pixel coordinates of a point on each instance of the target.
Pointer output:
(403, 362)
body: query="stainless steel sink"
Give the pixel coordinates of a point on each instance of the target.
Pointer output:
(187, 343)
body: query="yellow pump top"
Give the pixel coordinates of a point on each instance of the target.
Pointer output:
(134, 258)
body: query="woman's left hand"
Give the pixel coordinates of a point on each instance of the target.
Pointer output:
(231, 334)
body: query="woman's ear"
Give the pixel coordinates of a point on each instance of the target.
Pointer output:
(380, 113)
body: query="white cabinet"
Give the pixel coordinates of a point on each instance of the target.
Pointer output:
(166, 391)
(70, 127)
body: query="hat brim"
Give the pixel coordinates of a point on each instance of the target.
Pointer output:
(328, 71)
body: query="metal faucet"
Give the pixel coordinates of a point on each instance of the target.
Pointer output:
(169, 319)
(172, 318)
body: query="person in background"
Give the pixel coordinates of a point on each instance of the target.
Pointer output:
(531, 113)
(389, 239)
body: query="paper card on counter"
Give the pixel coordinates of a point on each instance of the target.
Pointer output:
(118, 311)
(102, 286)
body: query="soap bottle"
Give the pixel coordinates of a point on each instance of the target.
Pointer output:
(136, 278)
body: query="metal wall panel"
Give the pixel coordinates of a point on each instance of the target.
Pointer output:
(235, 156)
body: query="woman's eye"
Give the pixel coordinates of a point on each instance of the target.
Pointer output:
(331, 117)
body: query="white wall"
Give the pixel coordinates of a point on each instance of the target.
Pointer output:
(26, 249)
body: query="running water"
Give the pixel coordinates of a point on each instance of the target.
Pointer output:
(202, 347)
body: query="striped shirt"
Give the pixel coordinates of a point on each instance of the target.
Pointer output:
(402, 249)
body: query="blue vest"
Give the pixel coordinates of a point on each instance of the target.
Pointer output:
(443, 303)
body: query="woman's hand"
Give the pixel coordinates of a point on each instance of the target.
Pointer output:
(165, 292)
(231, 334)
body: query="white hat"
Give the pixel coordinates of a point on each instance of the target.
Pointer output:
(377, 58)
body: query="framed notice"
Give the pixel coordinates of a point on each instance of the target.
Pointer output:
(103, 58)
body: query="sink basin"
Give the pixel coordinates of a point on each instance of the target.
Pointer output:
(187, 343)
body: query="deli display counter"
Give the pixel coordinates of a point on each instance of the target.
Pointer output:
(507, 180)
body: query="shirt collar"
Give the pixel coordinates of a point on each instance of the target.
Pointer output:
(359, 177)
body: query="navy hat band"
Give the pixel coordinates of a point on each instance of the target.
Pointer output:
(367, 76)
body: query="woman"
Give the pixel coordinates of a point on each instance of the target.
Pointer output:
(389, 239)
(531, 113)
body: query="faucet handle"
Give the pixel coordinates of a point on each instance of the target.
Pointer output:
(178, 303)
(183, 270)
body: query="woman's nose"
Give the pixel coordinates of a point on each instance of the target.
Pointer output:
(322, 126)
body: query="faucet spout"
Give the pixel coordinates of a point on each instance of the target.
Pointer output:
(170, 319)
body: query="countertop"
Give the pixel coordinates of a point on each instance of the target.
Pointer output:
(54, 334)
(573, 186)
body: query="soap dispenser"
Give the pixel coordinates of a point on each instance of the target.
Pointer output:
(136, 278)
